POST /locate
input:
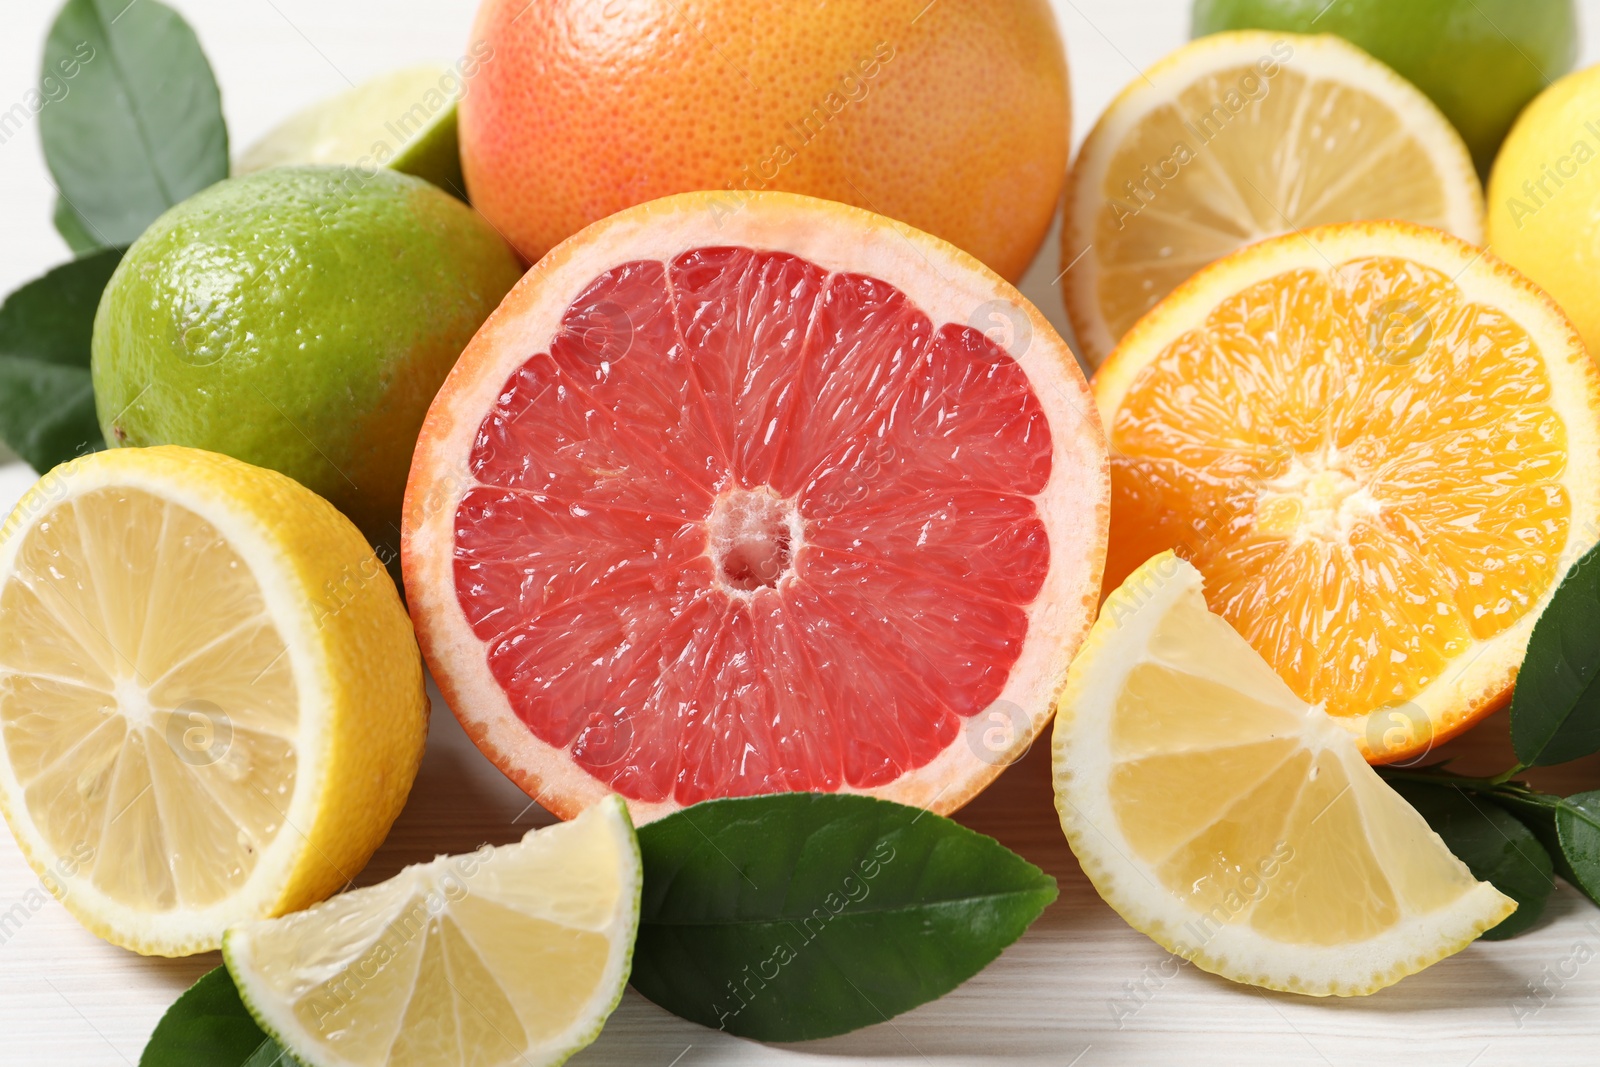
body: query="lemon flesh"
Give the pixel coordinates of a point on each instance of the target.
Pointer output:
(509, 955)
(187, 737)
(1241, 136)
(404, 120)
(1237, 825)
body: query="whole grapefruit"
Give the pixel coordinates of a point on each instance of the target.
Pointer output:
(952, 116)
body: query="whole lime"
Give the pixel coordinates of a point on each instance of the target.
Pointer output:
(1479, 60)
(1544, 198)
(300, 319)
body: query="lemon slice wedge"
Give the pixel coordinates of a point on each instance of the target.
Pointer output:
(211, 700)
(1235, 824)
(509, 955)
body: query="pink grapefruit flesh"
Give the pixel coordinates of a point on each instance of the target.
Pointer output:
(759, 506)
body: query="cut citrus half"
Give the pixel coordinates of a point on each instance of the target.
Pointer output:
(211, 706)
(1381, 447)
(404, 120)
(506, 956)
(1240, 136)
(1235, 824)
(786, 498)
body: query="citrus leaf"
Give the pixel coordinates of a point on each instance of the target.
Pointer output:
(73, 229)
(1555, 712)
(796, 916)
(47, 412)
(1569, 828)
(140, 127)
(1495, 846)
(209, 1026)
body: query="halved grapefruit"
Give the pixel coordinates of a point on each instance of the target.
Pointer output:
(789, 498)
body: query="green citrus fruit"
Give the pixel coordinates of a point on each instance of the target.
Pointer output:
(300, 319)
(404, 120)
(1480, 60)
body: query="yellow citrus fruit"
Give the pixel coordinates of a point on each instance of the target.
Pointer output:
(1240, 136)
(506, 956)
(1381, 447)
(1544, 197)
(211, 702)
(1234, 823)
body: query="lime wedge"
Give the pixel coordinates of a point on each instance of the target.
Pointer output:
(509, 955)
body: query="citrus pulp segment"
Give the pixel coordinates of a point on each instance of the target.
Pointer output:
(717, 505)
(211, 707)
(506, 956)
(1241, 136)
(1379, 445)
(1235, 824)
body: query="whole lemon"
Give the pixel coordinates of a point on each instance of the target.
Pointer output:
(300, 319)
(951, 116)
(1544, 198)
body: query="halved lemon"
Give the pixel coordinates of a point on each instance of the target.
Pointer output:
(1235, 824)
(211, 702)
(1381, 446)
(512, 955)
(1240, 136)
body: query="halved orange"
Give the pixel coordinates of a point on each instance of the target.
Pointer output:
(722, 502)
(1381, 447)
(1240, 136)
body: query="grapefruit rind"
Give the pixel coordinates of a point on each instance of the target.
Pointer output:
(945, 283)
(1082, 765)
(1321, 55)
(1483, 684)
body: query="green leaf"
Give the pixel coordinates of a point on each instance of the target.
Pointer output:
(140, 127)
(47, 412)
(1569, 828)
(74, 230)
(209, 1026)
(1577, 821)
(1555, 712)
(789, 917)
(1495, 846)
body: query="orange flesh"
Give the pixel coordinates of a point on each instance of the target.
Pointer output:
(1364, 465)
(748, 526)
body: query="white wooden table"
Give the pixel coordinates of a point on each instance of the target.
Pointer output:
(1080, 989)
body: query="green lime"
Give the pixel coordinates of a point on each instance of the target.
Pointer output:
(1480, 60)
(300, 319)
(404, 120)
